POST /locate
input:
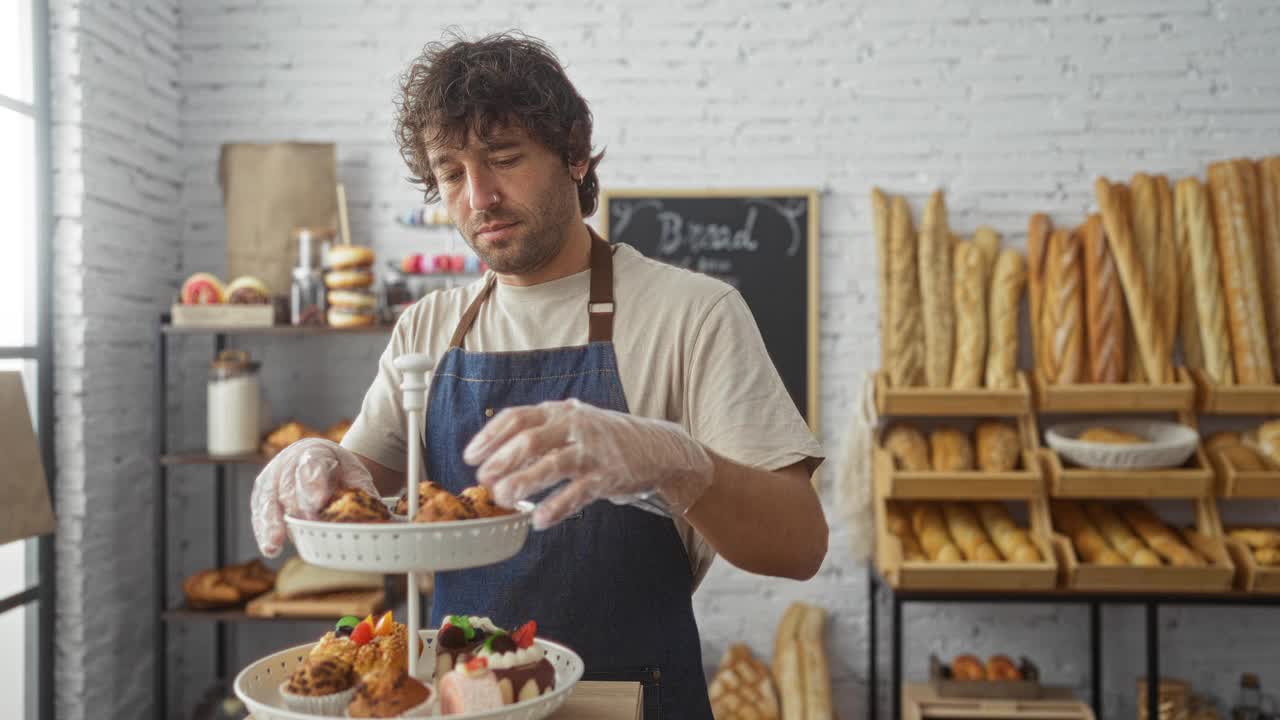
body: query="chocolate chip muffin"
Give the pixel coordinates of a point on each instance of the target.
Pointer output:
(481, 501)
(323, 675)
(387, 694)
(426, 491)
(356, 506)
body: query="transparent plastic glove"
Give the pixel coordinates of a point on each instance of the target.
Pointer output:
(604, 454)
(299, 482)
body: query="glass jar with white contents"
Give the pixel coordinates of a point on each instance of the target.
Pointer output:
(234, 402)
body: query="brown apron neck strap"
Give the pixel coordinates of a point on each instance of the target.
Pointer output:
(469, 317)
(599, 305)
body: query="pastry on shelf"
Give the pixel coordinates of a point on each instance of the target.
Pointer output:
(967, 667)
(356, 506)
(390, 694)
(322, 685)
(228, 586)
(284, 436)
(1000, 667)
(338, 430)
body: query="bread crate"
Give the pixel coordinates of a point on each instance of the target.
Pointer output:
(1213, 399)
(921, 702)
(1206, 539)
(1178, 396)
(1195, 479)
(1234, 482)
(1023, 483)
(933, 401)
(977, 576)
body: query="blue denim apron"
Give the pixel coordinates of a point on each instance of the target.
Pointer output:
(612, 582)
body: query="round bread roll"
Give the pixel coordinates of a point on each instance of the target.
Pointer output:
(948, 554)
(339, 318)
(1000, 667)
(967, 667)
(348, 279)
(342, 257)
(1146, 558)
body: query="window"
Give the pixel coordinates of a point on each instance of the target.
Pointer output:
(26, 576)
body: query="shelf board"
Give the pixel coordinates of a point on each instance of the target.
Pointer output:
(288, 330)
(199, 457)
(232, 615)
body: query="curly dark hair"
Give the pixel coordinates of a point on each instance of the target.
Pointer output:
(459, 85)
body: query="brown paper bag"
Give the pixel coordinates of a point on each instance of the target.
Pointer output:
(26, 511)
(268, 190)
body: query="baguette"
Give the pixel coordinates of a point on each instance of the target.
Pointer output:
(1268, 171)
(788, 670)
(1119, 536)
(1158, 535)
(1104, 302)
(988, 241)
(966, 531)
(1152, 345)
(1063, 311)
(1010, 275)
(1188, 325)
(1245, 313)
(1088, 542)
(1013, 542)
(880, 219)
(906, 324)
(970, 288)
(786, 633)
(1038, 229)
(935, 292)
(1144, 218)
(928, 524)
(1166, 263)
(1211, 313)
(813, 662)
(1253, 204)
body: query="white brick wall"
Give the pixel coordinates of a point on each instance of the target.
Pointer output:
(116, 176)
(1012, 105)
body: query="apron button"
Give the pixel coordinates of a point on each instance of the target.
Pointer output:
(488, 412)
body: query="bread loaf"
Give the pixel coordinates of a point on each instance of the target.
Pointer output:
(1038, 229)
(1161, 539)
(906, 323)
(1118, 535)
(950, 451)
(880, 219)
(1089, 543)
(1063, 325)
(1152, 345)
(1188, 326)
(1243, 459)
(926, 520)
(1268, 172)
(997, 445)
(1253, 204)
(742, 688)
(970, 288)
(988, 242)
(1245, 314)
(813, 658)
(935, 291)
(1166, 263)
(1106, 326)
(1006, 297)
(966, 531)
(908, 447)
(1206, 281)
(1268, 443)
(1013, 542)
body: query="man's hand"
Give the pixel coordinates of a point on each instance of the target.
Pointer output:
(299, 482)
(603, 453)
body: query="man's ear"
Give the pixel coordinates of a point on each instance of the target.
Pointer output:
(577, 171)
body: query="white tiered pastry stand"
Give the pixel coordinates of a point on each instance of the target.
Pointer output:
(411, 548)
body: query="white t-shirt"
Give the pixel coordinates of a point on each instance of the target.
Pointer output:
(688, 351)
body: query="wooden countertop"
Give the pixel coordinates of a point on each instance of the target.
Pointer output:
(603, 701)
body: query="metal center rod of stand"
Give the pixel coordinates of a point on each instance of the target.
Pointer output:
(414, 388)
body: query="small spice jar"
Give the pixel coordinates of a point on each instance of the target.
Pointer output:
(234, 403)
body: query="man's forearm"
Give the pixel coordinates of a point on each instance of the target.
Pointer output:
(389, 482)
(765, 522)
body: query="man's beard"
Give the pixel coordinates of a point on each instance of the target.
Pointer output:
(537, 239)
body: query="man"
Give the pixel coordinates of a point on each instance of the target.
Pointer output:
(579, 363)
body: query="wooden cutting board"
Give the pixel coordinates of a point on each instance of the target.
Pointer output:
(325, 607)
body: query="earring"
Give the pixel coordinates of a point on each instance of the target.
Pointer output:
(495, 198)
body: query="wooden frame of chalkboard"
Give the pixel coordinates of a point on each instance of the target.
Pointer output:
(709, 245)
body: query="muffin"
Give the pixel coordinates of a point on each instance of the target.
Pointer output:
(426, 491)
(385, 652)
(356, 506)
(444, 507)
(391, 693)
(323, 685)
(481, 502)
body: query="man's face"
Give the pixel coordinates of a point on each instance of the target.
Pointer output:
(511, 198)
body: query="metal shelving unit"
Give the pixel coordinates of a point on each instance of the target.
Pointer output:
(165, 459)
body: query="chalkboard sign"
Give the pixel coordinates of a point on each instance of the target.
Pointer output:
(763, 242)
